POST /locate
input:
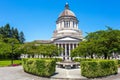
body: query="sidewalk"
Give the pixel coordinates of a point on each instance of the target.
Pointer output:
(68, 74)
(75, 74)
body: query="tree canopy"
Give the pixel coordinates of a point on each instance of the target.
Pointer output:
(102, 43)
(10, 32)
(10, 40)
(46, 50)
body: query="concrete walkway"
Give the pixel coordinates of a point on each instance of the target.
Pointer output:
(17, 73)
(67, 74)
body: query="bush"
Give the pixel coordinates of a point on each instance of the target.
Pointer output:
(40, 67)
(100, 68)
(118, 63)
(58, 59)
(82, 59)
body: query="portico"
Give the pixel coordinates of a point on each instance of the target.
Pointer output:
(67, 49)
(67, 44)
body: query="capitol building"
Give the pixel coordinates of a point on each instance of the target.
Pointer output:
(67, 34)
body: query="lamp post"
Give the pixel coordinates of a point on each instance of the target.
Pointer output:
(12, 44)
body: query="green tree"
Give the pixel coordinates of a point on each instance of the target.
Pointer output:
(8, 36)
(49, 50)
(85, 49)
(16, 34)
(2, 32)
(7, 31)
(46, 50)
(100, 43)
(30, 48)
(21, 37)
(4, 50)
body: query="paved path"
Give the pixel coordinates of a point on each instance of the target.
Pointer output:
(74, 74)
(17, 73)
(68, 74)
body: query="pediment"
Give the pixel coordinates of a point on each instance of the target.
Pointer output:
(67, 39)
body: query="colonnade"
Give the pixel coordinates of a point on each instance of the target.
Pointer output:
(67, 47)
(67, 24)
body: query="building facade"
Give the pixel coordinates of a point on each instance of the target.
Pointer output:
(67, 35)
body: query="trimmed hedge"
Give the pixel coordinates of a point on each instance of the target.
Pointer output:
(100, 68)
(58, 59)
(82, 59)
(40, 67)
(118, 63)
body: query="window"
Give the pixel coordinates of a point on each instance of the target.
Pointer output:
(66, 24)
(73, 24)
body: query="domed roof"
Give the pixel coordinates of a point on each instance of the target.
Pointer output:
(67, 12)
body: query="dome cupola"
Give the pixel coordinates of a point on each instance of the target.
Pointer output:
(67, 12)
(67, 24)
(67, 19)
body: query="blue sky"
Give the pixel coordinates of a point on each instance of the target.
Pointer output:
(36, 18)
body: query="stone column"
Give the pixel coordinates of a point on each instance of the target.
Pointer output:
(73, 46)
(71, 24)
(69, 51)
(62, 51)
(76, 45)
(65, 51)
(62, 24)
(58, 45)
(58, 25)
(77, 25)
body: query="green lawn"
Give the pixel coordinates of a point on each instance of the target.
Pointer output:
(8, 62)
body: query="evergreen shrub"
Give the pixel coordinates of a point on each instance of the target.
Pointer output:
(58, 59)
(99, 68)
(40, 67)
(119, 63)
(82, 59)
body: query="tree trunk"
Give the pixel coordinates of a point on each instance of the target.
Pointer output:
(105, 56)
(85, 56)
(91, 56)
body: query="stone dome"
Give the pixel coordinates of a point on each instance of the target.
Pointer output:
(67, 25)
(67, 12)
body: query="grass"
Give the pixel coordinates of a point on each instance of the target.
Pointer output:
(8, 63)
